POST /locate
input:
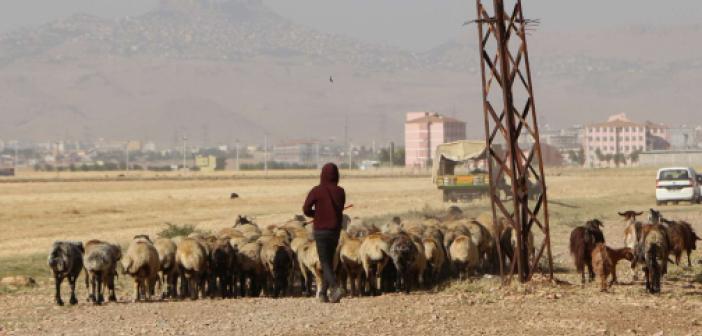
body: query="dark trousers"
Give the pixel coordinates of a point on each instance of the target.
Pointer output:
(327, 241)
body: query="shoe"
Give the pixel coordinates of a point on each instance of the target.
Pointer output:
(337, 294)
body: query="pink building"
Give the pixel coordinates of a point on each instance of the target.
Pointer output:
(426, 130)
(622, 137)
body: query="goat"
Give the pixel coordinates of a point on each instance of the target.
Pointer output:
(583, 240)
(682, 237)
(630, 234)
(652, 251)
(66, 261)
(604, 262)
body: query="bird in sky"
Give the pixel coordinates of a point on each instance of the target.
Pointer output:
(331, 80)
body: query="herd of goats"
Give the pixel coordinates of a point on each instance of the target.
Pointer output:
(246, 260)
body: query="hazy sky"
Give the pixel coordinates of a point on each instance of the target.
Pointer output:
(410, 24)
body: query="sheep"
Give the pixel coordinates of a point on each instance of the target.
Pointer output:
(350, 262)
(142, 263)
(604, 262)
(308, 260)
(652, 250)
(277, 261)
(486, 243)
(508, 246)
(630, 234)
(250, 269)
(223, 267)
(436, 257)
(100, 264)
(66, 261)
(409, 261)
(192, 260)
(166, 249)
(464, 256)
(582, 241)
(300, 238)
(373, 253)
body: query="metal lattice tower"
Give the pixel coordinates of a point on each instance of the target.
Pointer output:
(512, 133)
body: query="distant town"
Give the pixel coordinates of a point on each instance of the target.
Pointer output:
(615, 142)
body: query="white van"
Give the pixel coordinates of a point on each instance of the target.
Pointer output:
(677, 184)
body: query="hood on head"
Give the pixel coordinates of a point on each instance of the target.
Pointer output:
(330, 174)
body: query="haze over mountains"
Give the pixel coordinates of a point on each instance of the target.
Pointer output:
(219, 70)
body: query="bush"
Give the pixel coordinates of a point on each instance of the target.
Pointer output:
(175, 230)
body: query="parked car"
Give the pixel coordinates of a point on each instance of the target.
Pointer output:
(677, 184)
(699, 183)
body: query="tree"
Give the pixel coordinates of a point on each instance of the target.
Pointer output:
(634, 156)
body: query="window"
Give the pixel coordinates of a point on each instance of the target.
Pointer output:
(674, 174)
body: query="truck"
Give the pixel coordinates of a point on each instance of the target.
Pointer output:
(460, 170)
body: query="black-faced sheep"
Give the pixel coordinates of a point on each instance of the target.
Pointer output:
(66, 262)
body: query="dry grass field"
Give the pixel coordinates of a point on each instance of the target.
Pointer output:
(39, 209)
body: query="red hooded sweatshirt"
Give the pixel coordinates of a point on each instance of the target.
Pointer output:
(325, 202)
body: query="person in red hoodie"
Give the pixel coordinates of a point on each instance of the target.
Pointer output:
(325, 203)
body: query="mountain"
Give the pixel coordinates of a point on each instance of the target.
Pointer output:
(233, 69)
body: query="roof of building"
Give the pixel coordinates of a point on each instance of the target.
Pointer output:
(434, 117)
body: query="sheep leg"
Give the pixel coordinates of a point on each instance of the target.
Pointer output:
(92, 297)
(72, 284)
(689, 263)
(100, 297)
(111, 288)
(58, 279)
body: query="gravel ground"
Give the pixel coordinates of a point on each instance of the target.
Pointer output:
(476, 307)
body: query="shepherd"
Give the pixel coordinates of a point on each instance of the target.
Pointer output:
(325, 204)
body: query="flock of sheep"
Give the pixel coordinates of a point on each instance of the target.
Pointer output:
(246, 260)
(648, 245)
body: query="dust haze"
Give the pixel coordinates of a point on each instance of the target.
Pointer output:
(220, 70)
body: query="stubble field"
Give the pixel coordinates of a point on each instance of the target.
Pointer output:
(33, 214)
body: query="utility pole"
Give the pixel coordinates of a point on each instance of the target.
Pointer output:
(126, 157)
(14, 163)
(317, 154)
(185, 142)
(238, 167)
(350, 156)
(265, 154)
(509, 113)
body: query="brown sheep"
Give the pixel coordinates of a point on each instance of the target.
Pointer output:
(100, 263)
(142, 263)
(277, 260)
(485, 242)
(250, 269)
(436, 257)
(222, 267)
(166, 249)
(350, 262)
(464, 256)
(192, 260)
(308, 260)
(374, 256)
(583, 240)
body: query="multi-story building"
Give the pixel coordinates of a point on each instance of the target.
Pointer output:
(622, 138)
(426, 130)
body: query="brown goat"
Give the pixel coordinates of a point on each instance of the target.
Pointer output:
(583, 240)
(604, 262)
